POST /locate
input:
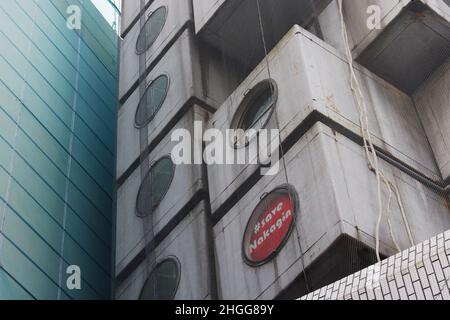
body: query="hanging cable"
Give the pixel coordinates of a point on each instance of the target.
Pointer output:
(391, 230)
(404, 217)
(282, 154)
(369, 148)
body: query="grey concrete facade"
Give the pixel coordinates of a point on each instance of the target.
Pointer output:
(182, 88)
(179, 14)
(188, 243)
(130, 14)
(187, 181)
(336, 193)
(300, 65)
(212, 52)
(432, 101)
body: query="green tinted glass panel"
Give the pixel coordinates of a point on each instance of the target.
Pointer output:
(259, 110)
(27, 273)
(11, 289)
(57, 128)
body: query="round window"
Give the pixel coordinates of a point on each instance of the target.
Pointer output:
(255, 110)
(162, 284)
(151, 30)
(155, 186)
(152, 100)
(269, 226)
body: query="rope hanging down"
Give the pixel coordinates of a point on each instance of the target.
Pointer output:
(369, 148)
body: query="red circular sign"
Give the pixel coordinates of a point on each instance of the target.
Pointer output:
(269, 227)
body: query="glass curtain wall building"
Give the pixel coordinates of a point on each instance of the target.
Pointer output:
(58, 97)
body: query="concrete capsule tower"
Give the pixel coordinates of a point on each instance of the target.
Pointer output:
(212, 230)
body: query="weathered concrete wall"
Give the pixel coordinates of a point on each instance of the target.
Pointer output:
(356, 16)
(220, 76)
(182, 67)
(190, 81)
(204, 10)
(421, 272)
(188, 242)
(312, 76)
(433, 106)
(179, 12)
(130, 11)
(394, 49)
(234, 26)
(337, 195)
(187, 180)
(337, 190)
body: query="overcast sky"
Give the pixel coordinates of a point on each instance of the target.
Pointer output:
(106, 9)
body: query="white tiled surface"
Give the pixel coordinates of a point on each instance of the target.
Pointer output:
(421, 272)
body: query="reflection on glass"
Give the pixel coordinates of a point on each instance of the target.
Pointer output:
(110, 9)
(259, 111)
(162, 282)
(151, 30)
(155, 185)
(152, 100)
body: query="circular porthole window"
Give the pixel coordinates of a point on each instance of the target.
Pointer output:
(155, 186)
(151, 30)
(162, 284)
(269, 226)
(255, 110)
(152, 100)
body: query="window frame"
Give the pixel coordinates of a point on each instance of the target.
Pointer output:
(148, 46)
(141, 100)
(154, 206)
(155, 267)
(246, 105)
